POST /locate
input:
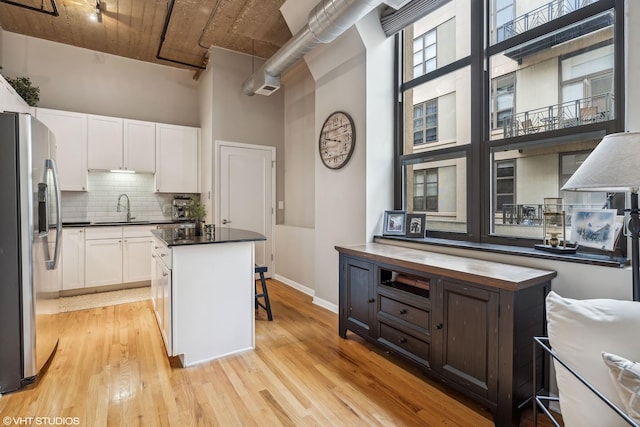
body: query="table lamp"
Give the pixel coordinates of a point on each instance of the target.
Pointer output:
(614, 166)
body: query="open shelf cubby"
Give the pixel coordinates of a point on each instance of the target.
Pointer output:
(419, 286)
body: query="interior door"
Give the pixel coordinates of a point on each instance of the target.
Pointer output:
(245, 193)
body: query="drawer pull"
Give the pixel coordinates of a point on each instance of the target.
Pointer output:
(402, 340)
(372, 300)
(439, 326)
(403, 311)
(163, 254)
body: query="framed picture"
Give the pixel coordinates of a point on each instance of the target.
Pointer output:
(416, 225)
(595, 228)
(394, 223)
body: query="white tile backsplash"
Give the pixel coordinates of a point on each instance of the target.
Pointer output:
(100, 202)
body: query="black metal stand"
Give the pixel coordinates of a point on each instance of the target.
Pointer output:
(634, 230)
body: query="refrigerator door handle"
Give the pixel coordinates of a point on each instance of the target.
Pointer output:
(50, 164)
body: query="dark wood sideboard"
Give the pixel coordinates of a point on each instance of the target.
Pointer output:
(466, 322)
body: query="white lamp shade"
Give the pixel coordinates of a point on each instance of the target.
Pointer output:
(613, 166)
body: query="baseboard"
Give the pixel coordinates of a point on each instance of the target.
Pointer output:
(308, 291)
(326, 305)
(295, 285)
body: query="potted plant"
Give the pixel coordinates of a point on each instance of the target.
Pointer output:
(26, 90)
(197, 212)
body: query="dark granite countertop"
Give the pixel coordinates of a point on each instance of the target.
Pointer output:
(182, 237)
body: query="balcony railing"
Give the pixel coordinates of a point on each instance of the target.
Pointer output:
(522, 214)
(539, 16)
(594, 109)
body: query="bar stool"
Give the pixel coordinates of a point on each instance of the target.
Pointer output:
(265, 294)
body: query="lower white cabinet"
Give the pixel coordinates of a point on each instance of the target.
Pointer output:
(135, 259)
(103, 262)
(102, 256)
(161, 290)
(72, 258)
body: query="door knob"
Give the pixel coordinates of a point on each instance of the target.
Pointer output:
(226, 221)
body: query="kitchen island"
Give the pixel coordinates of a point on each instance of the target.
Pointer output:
(203, 292)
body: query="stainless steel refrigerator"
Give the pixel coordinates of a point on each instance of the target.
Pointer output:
(30, 242)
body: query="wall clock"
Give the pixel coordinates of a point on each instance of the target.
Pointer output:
(337, 140)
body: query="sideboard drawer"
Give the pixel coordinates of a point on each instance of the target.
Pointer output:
(405, 312)
(405, 343)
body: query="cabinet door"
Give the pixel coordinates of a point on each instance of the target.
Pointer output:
(465, 337)
(103, 262)
(139, 146)
(135, 258)
(357, 297)
(105, 143)
(73, 258)
(166, 310)
(70, 130)
(176, 159)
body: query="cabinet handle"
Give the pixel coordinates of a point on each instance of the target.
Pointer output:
(153, 256)
(403, 311)
(439, 326)
(163, 254)
(156, 247)
(402, 340)
(164, 273)
(372, 300)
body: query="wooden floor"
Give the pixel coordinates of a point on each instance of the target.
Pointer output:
(111, 370)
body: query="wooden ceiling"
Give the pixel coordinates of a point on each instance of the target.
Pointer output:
(134, 28)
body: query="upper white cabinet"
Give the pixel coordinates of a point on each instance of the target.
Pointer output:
(105, 143)
(10, 100)
(176, 159)
(121, 144)
(70, 130)
(139, 151)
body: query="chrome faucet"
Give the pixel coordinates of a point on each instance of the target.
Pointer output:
(129, 217)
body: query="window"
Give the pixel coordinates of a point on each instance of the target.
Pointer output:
(503, 101)
(486, 141)
(505, 184)
(425, 122)
(504, 19)
(425, 190)
(424, 53)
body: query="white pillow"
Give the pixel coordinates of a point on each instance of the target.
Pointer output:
(579, 331)
(626, 378)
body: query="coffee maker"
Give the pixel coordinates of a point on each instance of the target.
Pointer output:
(179, 208)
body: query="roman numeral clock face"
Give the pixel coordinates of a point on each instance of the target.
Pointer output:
(337, 139)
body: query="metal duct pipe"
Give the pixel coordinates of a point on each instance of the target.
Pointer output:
(327, 20)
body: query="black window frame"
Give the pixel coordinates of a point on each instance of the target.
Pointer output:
(478, 151)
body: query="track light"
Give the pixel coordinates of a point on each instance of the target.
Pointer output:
(98, 11)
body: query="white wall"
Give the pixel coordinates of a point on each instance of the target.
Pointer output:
(237, 117)
(300, 146)
(340, 203)
(82, 80)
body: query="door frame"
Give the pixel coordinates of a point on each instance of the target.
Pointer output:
(217, 179)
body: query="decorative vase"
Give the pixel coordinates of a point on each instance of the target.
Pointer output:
(198, 227)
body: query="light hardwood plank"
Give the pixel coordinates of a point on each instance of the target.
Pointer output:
(111, 370)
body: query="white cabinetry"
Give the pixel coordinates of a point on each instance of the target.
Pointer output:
(136, 253)
(121, 144)
(10, 100)
(176, 159)
(70, 130)
(161, 291)
(105, 143)
(115, 255)
(139, 150)
(103, 256)
(72, 258)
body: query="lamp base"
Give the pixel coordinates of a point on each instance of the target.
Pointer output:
(556, 249)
